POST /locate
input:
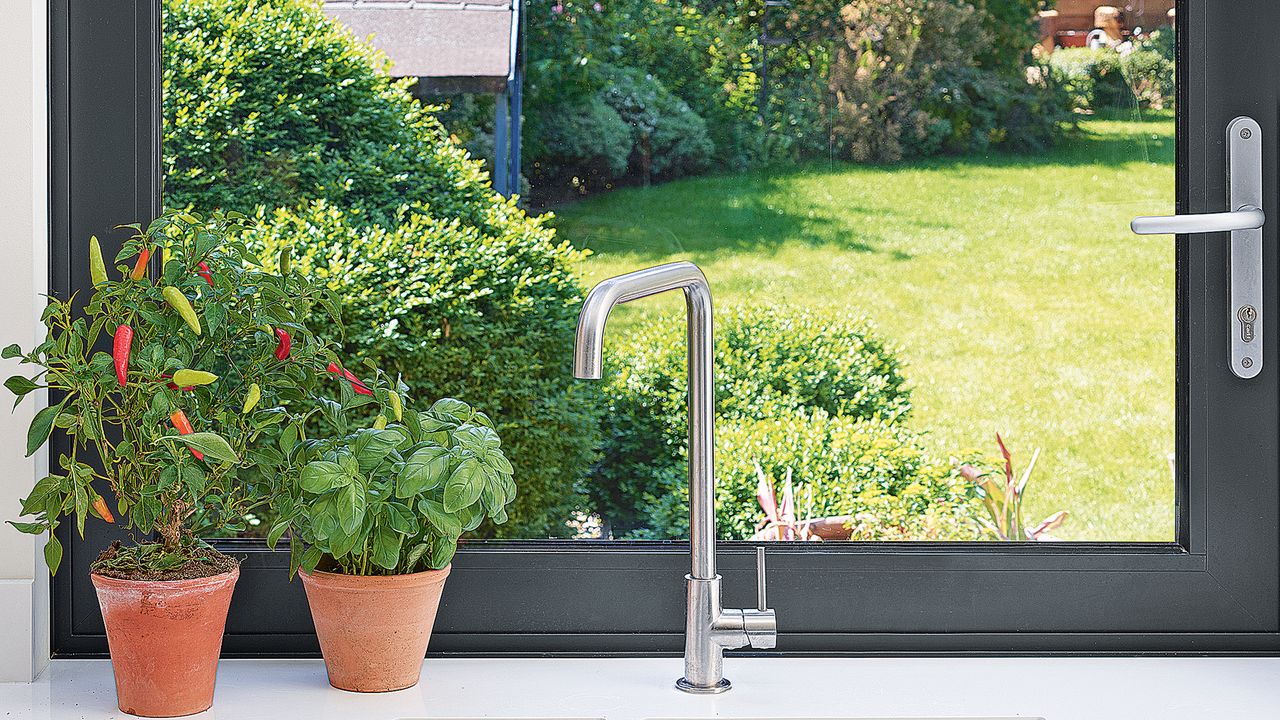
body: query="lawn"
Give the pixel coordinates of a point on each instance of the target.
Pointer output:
(1019, 299)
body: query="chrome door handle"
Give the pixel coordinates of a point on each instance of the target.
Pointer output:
(1245, 218)
(1244, 222)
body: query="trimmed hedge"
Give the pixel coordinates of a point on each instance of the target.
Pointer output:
(631, 125)
(1092, 77)
(457, 312)
(668, 138)
(272, 105)
(873, 470)
(767, 362)
(682, 73)
(1102, 78)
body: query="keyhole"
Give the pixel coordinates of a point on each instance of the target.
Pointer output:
(1247, 315)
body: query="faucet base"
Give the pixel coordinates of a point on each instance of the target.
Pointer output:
(685, 686)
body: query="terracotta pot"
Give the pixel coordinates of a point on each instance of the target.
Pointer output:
(374, 630)
(165, 637)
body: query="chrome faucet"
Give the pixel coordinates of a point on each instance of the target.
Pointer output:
(709, 628)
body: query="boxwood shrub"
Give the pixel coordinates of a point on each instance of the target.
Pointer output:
(273, 108)
(456, 311)
(1093, 77)
(878, 472)
(767, 361)
(272, 103)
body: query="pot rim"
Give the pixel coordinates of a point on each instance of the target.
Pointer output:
(371, 582)
(100, 580)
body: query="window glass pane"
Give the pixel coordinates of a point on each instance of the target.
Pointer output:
(913, 216)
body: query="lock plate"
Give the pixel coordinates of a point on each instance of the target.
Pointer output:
(1244, 163)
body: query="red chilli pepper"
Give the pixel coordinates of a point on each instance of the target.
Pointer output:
(350, 377)
(183, 426)
(120, 352)
(284, 345)
(204, 273)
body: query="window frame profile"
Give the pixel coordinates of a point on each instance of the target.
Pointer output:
(1214, 590)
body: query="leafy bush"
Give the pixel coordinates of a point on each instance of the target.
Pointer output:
(1142, 75)
(244, 127)
(590, 141)
(632, 125)
(1150, 69)
(766, 362)
(443, 280)
(668, 138)
(870, 469)
(907, 83)
(1092, 77)
(692, 72)
(485, 317)
(980, 110)
(1012, 28)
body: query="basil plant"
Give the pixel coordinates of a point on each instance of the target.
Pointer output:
(392, 498)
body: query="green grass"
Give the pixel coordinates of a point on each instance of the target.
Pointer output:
(1019, 298)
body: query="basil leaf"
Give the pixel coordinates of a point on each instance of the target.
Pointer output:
(386, 547)
(321, 476)
(464, 485)
(426, 469)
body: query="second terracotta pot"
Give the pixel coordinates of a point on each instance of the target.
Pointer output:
(374, 630)
(164, 637)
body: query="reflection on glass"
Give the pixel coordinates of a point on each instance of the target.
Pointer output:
(913, 216)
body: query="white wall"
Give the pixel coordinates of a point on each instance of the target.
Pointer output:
(24, 583)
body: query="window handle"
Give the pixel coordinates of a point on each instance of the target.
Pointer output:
(1244, 222)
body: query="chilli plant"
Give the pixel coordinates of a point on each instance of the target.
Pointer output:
(170, 391)
(392, 497)
(1002, 495)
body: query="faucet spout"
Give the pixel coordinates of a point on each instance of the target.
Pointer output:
(710, 629)
(587, 365)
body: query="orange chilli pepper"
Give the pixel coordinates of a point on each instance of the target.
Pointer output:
(140, 267)
(183, 426)
(100, 506)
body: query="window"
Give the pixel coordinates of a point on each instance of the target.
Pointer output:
(1156, 559)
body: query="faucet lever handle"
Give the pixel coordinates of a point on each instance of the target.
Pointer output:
(761, 603)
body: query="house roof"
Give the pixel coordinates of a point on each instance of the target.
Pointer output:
(460, 41)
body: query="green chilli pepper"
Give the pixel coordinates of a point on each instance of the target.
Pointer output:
(286, 261)
(379, 422)
(251, 398)
(396, 407)
(97, 268)
(191, 378)
(179, 302)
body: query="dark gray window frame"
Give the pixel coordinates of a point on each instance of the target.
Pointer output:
(1215, 590)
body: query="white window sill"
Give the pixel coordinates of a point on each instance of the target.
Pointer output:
(640, 689)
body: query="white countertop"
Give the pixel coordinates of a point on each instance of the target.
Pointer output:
(641, 688)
